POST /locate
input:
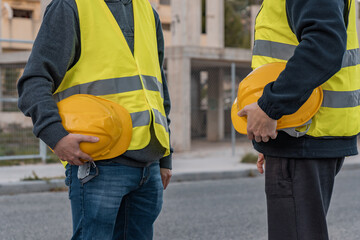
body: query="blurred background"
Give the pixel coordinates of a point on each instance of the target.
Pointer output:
(208, 52)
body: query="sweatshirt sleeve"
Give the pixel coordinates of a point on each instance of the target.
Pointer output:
(321, 31)
(165, 162)
(52, 55)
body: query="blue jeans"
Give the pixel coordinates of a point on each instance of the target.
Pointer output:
(122, 202)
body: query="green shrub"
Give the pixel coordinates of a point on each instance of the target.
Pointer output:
(249, 158)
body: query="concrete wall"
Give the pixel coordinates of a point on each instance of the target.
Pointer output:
(358, 17)
(215, 23)
(254, 9)
(215, 112)
(183, 89)
(179, 82)
(186, 22)
(19, 28)
(7, 118)
(164, 12)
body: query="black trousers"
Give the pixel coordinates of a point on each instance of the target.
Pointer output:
(298, 193)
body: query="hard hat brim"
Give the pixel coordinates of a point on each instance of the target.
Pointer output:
(239, 123)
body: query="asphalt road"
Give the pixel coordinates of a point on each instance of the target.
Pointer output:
(211, 210)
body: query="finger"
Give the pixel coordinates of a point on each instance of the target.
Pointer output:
(257, 138)
(250, 135)
(242, 113)
(260, 168)
(167, 181)
(265, 139)
(85, 156)
(260, 160)
(260, 163)
(86, 138)
(69, 162)
(164, 181)
(274, 135)
(76, 162)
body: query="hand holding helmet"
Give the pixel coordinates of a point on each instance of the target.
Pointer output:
(89, 116)
(259, 126)
(68, 148)
(251, 89)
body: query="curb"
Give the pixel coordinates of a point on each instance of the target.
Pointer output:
(31, 186)
(59, 184)
(351, 166)
(203, 176)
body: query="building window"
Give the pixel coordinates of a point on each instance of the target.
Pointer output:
(166, 26)
(203, 16)
(165, 2)
(21, 13)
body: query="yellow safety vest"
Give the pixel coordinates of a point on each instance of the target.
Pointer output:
(275, 42)
(107, 68)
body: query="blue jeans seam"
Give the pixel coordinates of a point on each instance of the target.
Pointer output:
(82, 212)
(69, 180)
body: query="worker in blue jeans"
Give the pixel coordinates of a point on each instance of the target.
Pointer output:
(113, 50)
(127, 213)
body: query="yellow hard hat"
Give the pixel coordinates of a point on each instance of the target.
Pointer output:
(251, 89)
(95, 116)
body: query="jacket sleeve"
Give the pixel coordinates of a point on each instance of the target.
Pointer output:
(52, 54)
(321, 31)
(165, 162)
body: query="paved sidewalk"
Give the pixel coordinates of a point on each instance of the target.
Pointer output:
(206, 161)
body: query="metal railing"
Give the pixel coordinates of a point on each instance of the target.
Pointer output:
(42, 154)
(17, 141)
(16, 40)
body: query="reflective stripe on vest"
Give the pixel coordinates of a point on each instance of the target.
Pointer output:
(285, 51)
(143, 119)
(108, 69)
(112, 86)
(341, 99)
(338, 115)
